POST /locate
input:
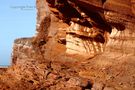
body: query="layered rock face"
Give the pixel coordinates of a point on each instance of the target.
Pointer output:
(84, 35)
(93, 24)
(79, 45)
(122, 19)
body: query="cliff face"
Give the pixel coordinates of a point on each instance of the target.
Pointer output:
(79, 45)
(93, 25)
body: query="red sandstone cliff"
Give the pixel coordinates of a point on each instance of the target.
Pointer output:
(79, 45)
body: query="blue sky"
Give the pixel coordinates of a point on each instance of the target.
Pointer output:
(17, 19)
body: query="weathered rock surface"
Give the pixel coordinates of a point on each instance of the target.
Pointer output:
(79, 45)
(97, 22)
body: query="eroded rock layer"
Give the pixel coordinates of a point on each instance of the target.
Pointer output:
(94, 20)
(84, 40)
